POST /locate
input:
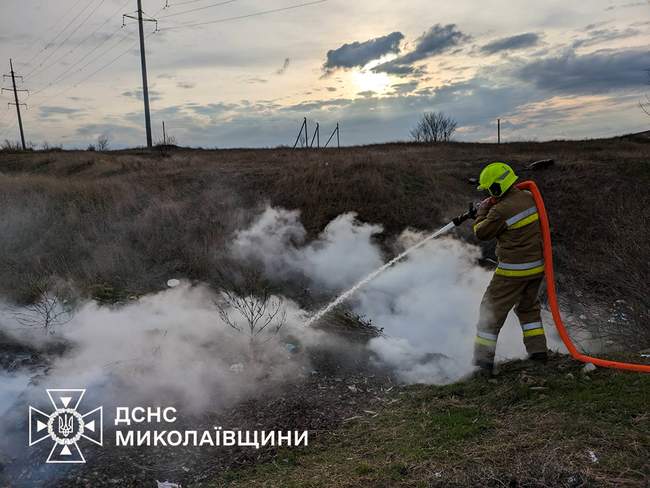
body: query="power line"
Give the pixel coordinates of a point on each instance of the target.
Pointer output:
(88, 37)
(61, 32)
(182, 3)
(246, 16)
(68, 73)
(62, 43)
(103, 67)
(198, 8)
(50, 28)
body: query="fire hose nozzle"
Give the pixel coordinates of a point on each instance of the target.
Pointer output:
(470, 214)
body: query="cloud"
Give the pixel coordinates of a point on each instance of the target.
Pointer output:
(627, 5)
(396, 67)
(212, 109)
(186, 84)
(407, 87)
(255, 80)
(596, 72)
(137, 94)
(50, 111)
(603, 35)
(358, 54)
(437, 40)
(519, 41)
(284, 67)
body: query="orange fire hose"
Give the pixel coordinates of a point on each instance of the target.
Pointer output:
(552, 296)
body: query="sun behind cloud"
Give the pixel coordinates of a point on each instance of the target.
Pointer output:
(367, 80)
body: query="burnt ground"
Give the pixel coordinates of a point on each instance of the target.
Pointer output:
(337, 388)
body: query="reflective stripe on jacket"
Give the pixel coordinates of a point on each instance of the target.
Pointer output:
(514, 222)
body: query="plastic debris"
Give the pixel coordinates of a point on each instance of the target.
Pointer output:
(237, 368)
(173, 283)
(588, 368)
(168, 484)
(541, 164)
(592, 456)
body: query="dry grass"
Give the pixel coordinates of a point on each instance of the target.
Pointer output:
(123, 222)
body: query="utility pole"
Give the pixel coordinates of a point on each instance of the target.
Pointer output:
(338, 139)
(498, 131)
(164, 135)
(316, 136)
(143, 60)
(303, 126)
(306, 134)
(17, 102)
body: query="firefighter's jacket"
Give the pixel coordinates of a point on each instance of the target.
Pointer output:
(514, 222)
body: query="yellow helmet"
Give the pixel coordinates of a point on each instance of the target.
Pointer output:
(496, 178)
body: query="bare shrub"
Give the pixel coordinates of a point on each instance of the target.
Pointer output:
(11, 146)
(164, 145)
(434, 127)
(48, 310)
(167, 141)
(103, 142)
(248, 306)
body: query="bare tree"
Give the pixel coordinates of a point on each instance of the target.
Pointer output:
(248, 306)
(645, 106)
(103, 142)
(47, 311)
(434, 127)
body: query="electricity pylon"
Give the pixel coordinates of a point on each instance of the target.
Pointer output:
(145, 87)
(17, 102)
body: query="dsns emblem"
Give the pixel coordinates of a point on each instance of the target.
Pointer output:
(66, 426)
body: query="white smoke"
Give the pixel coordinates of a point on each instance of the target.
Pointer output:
(338, 258)
(163, 348)
(427, 304)
(173, 344)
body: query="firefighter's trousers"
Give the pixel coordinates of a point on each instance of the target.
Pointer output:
(502, 294)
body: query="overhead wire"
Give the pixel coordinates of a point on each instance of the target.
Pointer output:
(178, 4)
(245, 16)
(62, 31)
(68, 73)
(51, 27)
(101, 55)
(183, 12)
(74, 48)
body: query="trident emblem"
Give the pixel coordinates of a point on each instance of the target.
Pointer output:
(65, 425)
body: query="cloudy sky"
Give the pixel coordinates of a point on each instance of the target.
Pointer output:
(245, 72)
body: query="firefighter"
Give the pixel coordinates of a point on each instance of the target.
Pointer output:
(510, 216)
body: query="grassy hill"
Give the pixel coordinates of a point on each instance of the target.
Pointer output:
(120, 223)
